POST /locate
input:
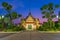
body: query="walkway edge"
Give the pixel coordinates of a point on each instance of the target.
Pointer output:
(49, 31)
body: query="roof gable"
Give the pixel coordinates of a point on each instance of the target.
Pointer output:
(29, 18)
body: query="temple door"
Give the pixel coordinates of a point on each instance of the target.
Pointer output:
(30, 27)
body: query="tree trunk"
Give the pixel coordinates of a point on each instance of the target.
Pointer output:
(10, 16)
(49, 21)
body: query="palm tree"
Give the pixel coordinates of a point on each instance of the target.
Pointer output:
(48, 12)
(15, 15)
(11, 15)
(8, 8)
(59, 19)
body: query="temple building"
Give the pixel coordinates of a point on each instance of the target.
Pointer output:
(30, 23)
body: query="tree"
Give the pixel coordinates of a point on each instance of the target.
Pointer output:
(48, 12)
(8, 8)
(11, 15)
(15, 15)
(59, 16)
(58, 20)
(2, 24)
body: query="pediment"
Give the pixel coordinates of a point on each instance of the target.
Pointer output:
(29, 18)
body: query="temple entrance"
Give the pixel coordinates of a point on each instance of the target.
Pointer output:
(29, 27)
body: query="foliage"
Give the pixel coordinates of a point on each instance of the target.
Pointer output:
(15, 15)
(45, 27)
(1, 26)
(12, 27)
(9, 17)
(48, 12)
(6, 6)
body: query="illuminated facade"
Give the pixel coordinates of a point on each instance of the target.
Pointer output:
(30, 23)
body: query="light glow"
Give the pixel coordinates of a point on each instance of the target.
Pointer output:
(57, 16)
(2, 16)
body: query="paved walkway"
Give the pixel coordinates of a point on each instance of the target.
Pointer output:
(33, 35)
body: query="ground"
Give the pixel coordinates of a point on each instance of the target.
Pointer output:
(31, 35)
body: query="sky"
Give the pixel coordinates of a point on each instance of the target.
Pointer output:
(24, 6)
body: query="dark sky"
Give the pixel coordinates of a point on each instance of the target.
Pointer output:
(23, 6)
